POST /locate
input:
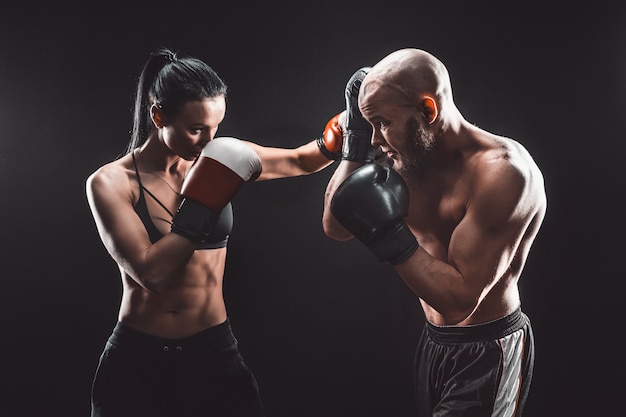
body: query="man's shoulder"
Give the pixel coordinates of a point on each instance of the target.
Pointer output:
(507, 172)
(504, 153)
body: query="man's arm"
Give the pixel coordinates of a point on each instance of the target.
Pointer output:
(481, 247)
(332, 227)
(356, 151)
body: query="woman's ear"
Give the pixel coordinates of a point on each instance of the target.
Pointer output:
(156, 114)
(429, 109)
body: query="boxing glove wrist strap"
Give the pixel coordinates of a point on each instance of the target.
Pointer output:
(394, 246)
(333, 156)
(194, 220)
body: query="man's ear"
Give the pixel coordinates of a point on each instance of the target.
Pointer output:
(156, 114)
(429, 109)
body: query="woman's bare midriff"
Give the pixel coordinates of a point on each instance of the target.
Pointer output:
(194, 304)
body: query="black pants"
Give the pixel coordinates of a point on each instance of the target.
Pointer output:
(200, 375)
(482, 371)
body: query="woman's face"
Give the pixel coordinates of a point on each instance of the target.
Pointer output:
(193, 127)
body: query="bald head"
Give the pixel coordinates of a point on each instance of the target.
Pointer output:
(410, 73)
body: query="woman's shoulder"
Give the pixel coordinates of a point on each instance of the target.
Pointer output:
(114, 175)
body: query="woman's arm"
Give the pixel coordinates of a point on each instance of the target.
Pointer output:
(153, 266)
(282, 163)
(303, 160)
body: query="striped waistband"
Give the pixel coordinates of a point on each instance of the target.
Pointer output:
(474, 333)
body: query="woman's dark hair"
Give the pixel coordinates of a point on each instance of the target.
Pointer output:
(170, 81)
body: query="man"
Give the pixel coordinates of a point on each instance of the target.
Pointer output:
(455, 210)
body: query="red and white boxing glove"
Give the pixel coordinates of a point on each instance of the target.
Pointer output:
(224, 165)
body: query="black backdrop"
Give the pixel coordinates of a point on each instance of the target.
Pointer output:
(326, 329)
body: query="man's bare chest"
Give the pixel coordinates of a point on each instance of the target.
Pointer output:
(434, 214)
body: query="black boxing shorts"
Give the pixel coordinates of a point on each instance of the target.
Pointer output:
(481, 370)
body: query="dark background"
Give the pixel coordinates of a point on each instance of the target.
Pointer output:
(327, 330)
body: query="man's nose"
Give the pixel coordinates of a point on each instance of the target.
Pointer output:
(377, 139)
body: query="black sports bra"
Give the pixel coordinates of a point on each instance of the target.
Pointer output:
(218, 237)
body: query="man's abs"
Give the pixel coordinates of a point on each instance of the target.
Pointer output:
(499, 302)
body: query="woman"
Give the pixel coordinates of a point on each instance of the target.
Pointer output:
(172, 352)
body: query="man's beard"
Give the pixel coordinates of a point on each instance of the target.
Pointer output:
(419, 150)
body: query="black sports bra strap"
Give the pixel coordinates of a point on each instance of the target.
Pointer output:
(142, 188)
(158, 201)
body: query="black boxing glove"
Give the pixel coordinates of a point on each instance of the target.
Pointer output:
(371, 203)
(357, 140)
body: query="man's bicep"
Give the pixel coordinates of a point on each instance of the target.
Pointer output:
(480, 254)
(485, 241)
